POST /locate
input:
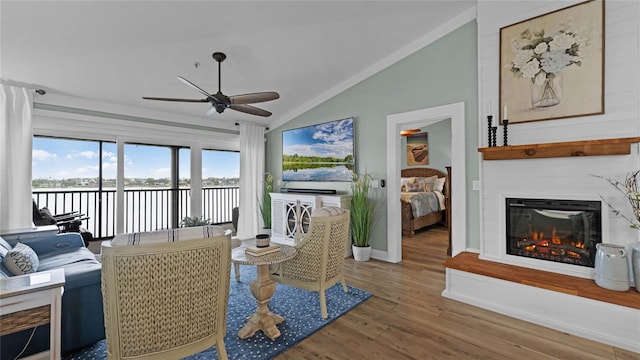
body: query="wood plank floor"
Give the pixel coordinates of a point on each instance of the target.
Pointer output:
(407, 318)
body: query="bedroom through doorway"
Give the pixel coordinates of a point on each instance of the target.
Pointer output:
(455, 113)
(425, 190)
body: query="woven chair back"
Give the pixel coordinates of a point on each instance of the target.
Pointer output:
(321, 252)
(168, 300)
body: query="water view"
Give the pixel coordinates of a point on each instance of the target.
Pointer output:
(318, 172)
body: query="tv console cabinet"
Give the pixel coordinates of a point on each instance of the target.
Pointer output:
(291, 213)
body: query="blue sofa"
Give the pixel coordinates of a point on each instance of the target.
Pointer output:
(82, 314)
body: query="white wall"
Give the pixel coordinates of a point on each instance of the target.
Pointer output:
(63, 116)
(560, 177)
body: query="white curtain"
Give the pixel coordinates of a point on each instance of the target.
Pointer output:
(251, 175)
(16, 136)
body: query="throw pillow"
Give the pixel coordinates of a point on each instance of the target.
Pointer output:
(438, 185)
(327, 211)
(415, 187)
(4, 248)
(406, 180)
(21, 260)
(170, 235)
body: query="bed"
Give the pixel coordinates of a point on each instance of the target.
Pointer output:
(411, 223)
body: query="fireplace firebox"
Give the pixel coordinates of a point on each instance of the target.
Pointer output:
(565, 231)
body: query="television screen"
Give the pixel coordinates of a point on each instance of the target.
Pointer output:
(322, 152)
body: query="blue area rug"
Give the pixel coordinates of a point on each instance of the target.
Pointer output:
(300, 308)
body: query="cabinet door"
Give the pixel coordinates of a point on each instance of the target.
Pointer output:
(277, 219)
(298, 217)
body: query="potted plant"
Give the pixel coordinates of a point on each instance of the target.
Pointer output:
(265, 202)
(189, 221)
(362, 212)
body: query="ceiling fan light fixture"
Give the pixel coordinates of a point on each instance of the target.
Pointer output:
(219, 101)
(409, 132)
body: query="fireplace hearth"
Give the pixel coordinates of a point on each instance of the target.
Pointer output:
(565, 231)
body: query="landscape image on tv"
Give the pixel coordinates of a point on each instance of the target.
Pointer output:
(322, 152)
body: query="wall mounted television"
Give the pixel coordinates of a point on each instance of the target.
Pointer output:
(321, 152)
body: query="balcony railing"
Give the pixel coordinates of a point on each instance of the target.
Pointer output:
(144, 209)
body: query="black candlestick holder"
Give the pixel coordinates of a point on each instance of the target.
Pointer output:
(505, 127)
(494, 132)
(489, 118)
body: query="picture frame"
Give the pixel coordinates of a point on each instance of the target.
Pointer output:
(418, 149)
(552, 65)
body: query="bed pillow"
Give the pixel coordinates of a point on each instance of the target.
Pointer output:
(427, 182)
(438, 185)
(406, 181)
(21, 260)
(415, 187)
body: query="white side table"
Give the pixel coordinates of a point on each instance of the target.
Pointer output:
(31, 300)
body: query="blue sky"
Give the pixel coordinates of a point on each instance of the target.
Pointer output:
(328, 139)
(63, 159)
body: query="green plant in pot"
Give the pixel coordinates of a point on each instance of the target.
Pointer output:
(363, 209)
(189, 221)
(265, 202)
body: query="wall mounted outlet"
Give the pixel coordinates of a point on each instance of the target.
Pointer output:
(375, 184)
(476, 184)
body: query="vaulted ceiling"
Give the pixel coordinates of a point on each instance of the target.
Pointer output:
(119, 51)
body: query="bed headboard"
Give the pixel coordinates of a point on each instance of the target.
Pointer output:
(421, 172)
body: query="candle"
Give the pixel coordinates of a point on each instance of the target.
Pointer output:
(490, 110)
(505, 112)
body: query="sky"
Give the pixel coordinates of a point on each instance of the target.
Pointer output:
(63, 159)
(332, 139)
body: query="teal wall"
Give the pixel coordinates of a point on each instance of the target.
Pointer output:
(441, 73)
(439, 139)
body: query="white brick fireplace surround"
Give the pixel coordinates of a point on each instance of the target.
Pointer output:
(557, 178)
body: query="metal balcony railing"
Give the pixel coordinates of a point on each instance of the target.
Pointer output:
(144, 209)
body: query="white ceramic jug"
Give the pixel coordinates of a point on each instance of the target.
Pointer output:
(635, 266)
(611, 267)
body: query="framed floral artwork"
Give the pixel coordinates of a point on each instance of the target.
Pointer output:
(418, 149)
(552, 65)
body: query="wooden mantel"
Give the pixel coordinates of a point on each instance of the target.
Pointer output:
(619, 146)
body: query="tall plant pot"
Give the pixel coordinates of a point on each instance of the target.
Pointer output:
(361, 253)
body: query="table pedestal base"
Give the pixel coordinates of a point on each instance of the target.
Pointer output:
(263, 319)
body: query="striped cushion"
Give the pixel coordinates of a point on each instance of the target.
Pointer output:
(170, 235)
(327, 211)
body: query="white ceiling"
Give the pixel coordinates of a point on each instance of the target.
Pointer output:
(117, 51)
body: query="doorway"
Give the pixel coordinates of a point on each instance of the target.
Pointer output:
(414, 119)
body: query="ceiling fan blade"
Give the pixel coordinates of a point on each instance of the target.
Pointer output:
(249, 109)
(192, 85)
(174, 99)
(254, 97)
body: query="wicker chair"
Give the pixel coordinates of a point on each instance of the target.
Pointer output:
(166, 300)
(318, 262)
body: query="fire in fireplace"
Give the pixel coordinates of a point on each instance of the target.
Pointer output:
(565, 231)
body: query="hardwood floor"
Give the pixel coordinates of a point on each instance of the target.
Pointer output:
(407, 318)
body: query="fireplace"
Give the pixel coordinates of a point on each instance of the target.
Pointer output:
(565, 231)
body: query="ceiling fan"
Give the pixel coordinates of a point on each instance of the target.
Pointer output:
(219, 101)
